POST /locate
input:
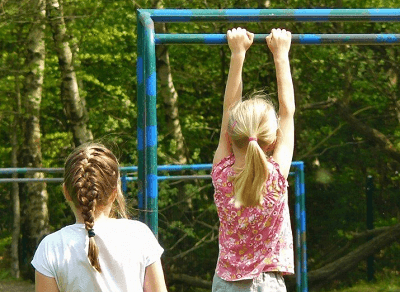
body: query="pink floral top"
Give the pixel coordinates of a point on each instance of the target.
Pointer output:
(252, 240)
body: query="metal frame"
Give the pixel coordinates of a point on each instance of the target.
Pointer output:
(146, 80)
(147, 125)
(146, 96)
(300, 212)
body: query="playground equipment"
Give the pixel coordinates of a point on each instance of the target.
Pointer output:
(146, 78)
(148, 170)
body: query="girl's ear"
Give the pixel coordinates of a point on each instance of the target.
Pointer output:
(113, 196)
(66, 195)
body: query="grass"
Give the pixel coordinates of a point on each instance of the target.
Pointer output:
(388, 281)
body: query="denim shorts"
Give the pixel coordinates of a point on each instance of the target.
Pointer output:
(265, 282)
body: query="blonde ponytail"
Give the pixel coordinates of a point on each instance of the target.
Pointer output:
(249, 184)
(252, 127)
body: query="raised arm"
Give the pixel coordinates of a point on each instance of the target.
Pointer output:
(279, 43)
(239, 41)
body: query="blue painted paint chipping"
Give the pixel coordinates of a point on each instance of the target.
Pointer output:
(152, 191)
(388, 38)
(310, 39)
(309, 15)
(151, 136)
(215, 39)
(140, 141)
(139, 70)
(151, 85)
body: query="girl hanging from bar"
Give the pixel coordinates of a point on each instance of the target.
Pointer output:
(250, 168)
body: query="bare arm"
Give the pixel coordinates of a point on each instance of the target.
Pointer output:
(279, 43)
(44, 283)
(239, 41)
(154, 278)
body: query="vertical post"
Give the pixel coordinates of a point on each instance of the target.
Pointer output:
(141, 134)
(297, 211)
(304, 280)
(300, 215)
(151, 191)
(370, 223)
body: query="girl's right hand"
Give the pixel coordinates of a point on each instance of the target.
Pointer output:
(239, 40)
(279, 41)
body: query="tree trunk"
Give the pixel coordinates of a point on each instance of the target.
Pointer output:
(35, 219)
(320, 277)
(15, 188)
(348, 262)
(371, 134)
(74, 104)
(169, 97)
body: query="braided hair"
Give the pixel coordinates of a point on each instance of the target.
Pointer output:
(91, 178)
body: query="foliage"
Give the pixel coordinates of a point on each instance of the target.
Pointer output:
(337, 159)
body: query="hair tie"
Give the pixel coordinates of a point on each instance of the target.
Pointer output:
(252, 139)
(91, 233)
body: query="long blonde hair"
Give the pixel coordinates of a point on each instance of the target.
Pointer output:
(252, 126)
(91, 177)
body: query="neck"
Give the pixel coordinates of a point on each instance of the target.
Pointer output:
(104, 213)
(240, 156)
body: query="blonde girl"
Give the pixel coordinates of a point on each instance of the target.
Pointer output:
(97, 253)
(250, 170)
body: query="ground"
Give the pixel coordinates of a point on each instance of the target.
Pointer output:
(16, 286)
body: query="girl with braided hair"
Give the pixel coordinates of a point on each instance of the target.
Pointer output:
(250, 168)
(98, 252)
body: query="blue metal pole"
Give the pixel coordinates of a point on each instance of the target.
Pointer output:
(297, 39)
(304, 275)
(31, 179)
(263, 15)
(297, 211)
(151, 122)
(141, 133)
(30, 170)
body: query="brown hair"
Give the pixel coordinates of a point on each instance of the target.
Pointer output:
(91, 178)
(254, 118)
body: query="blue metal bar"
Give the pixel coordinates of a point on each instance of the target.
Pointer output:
(151, 190)
(12, 170)
(297, 39)
(297, 212)
(284, 15)
(124, 169)
(141, 124)
(303, 238)
(177, 167)
(26, 180)
(175, 177)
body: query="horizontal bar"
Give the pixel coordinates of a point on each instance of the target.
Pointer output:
(262, 15)
(298, 39)
(175, 177)
(130, 179)
(30, 170)
(184, 167)
(36, 180)
(178, 167)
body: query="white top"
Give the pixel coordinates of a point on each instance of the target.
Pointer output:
(126, 248)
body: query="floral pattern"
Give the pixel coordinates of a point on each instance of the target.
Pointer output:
(252, 240)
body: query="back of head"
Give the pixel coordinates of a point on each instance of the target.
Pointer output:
(92, 179)
(252, 128)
